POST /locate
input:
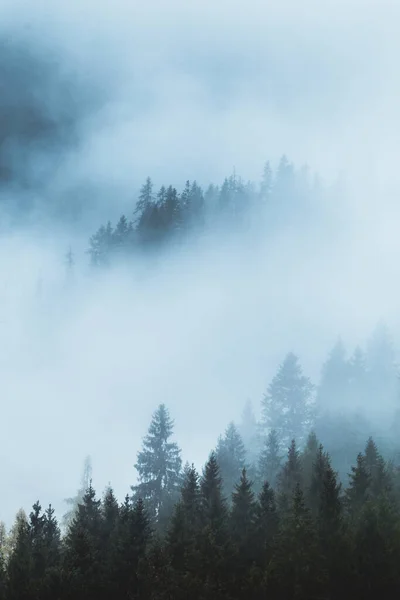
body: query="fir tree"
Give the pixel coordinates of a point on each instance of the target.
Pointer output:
(290, 476)
(359, 484)
(82, 556)
(159, 467)
(76, 500)
(297, 569)
(270, 459)
(333, 389)
(287, 405)
(231, 458)
(248, 431)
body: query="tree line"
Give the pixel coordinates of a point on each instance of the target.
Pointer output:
(167, 215)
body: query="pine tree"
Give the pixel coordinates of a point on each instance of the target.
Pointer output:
(213, 541)
(315, 484)
(380, 480)
(358, 384)
(243, 509)
(182, 537)
(266, 522)
(83, 567)
(248, 430)
(381, 374)
(289, 477)
(76, 500)
(213, 507)
(357, 492)
(242, 530)
(287, 405)
(132, 539)
(333, 389)
(266, 183)
(308, 458)
(145, 197)
(270, 460)
(19, 568)
(297, 568)
(159, 466)
(231, 458)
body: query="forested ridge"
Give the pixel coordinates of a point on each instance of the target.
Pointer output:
(283, 195)
(301, 502)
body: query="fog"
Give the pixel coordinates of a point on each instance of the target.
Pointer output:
(181, 91)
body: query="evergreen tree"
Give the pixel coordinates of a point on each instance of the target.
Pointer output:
(131, 541)
(145, 199)
(381, 374)
(359, 484)
(248, 430)
(231, 458)
(380, 480)
(19, 567)
(159, 466)
(290, 476)
(270, 459)
(308, 458)
(287, 405)
(333, 389)
(266, 522)
(76, 500)
(297, 569)
(83, 568)
(213, 507)
(358, 383)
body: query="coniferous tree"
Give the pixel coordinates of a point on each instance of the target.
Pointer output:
(132, 537)
(159, 466)
(287, 405)
(297, 569)
(231, 458)
(19, 567)
(145, 199)
(82, 563)
(76, 500)
(270, 459)
(290, 476)
(308, 458)
(333, 389)
(248, 430)
(359, 484)
(213, 539)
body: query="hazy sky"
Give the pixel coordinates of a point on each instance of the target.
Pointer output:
(182, 90)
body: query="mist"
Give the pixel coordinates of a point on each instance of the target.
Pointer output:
(178, 92)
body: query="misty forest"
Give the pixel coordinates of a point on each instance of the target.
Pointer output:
(217, 352)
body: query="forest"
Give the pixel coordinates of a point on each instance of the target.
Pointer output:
(284, 195)
(301, 503)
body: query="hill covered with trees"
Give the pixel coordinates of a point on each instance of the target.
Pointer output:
(300, 503)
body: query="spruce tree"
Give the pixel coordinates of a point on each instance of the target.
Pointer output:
(289, 477)
(270, 460)
(380, 479)
(287, 406)
(76, 500)
(159, 466)
(357, 492)
(131, 541)
(297, 569)
(333, 389)
(231, 457)
(248, 430)
(308, 458)
(82, 563)
(19, 567)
